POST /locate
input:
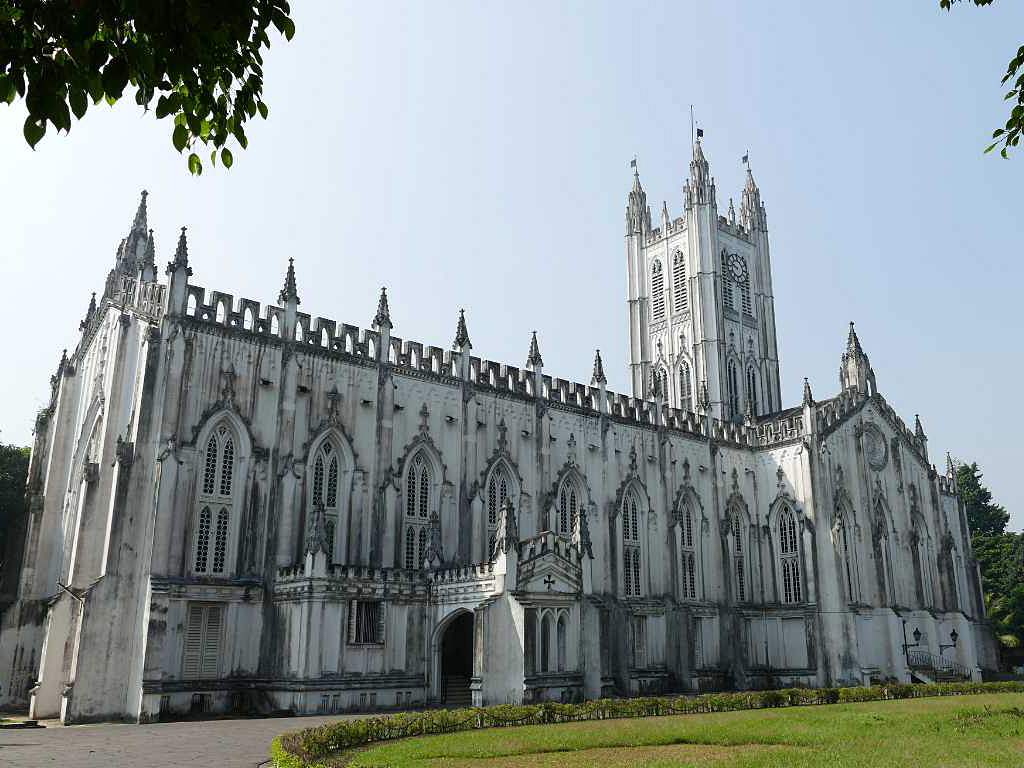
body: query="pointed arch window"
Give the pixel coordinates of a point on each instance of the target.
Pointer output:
(848, 565)
(685, 387)
(631, 544)
(681, 304)
(789, 555)
(324, 495)
(732, 386)
(211, 547)
(739, 557)
(727, 295)
(570, 504)
(657, 291)
(498, 489)
(417, 511)
(748, 307)
(688, 564)
(752, 389)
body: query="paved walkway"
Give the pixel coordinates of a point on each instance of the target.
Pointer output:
(243, 743)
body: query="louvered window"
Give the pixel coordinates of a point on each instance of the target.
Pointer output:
(727, 296)
(365, 622)
(497, 492)
(789, 553)
(203, 630)
(752, 389)
(657, 291)
(679, 282)
(212, 533)
(732, 385)
(631, 544)
(748, 307)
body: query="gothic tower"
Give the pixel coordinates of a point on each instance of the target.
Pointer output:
(701, 306)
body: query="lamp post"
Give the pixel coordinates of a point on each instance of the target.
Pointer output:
(952, 636)
(917, 639)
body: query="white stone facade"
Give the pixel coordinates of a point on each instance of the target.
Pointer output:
(236, 507)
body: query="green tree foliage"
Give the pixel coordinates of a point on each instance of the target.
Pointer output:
(13, 512)
(1009, 135)
(200, 59)
(1000, 556)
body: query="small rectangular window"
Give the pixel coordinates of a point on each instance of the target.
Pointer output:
(366, 622)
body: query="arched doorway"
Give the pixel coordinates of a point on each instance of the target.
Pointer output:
(456, 657)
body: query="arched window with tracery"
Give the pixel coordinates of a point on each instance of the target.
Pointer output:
(688, 559)
(631, 544)
(846, 551)
(498, 489)
(657, 291)
(752, 389)
(562, 641)
(739, 556)
(681, 303)
(789, 555)
(545, 643)
(324, 494)
(569, 500)
(212, 540)
(685, 387)
(733, 389)
(417, 511)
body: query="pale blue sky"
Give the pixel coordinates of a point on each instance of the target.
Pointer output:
(477, 154)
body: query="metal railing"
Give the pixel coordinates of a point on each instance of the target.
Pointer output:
(939, 666)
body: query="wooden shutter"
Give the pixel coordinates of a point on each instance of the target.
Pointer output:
(193, 641)
(379, 636)
(353, 606)
(211, 641)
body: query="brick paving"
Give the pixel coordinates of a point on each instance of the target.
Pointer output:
(243, 743)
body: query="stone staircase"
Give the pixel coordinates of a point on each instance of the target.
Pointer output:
(929, 668)
(455, 692)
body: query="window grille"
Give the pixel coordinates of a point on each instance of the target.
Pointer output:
(748, 308)
(365, 622)
(752, 389)
(417, 511)
(211, 544)
(685, 387)
(740, 559)
(727, 296)
(567, 508)
(732, 384)
(631, 545)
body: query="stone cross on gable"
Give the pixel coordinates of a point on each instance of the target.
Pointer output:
(549, 582)
(424, 416)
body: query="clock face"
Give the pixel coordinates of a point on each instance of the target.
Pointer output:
(738, 268)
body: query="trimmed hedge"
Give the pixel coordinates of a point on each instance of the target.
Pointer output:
(311, 747)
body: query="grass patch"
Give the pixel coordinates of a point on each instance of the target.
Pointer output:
(982, 730)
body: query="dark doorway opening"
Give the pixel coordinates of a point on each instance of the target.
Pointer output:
(457, 662)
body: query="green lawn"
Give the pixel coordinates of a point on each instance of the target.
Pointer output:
(982, 730)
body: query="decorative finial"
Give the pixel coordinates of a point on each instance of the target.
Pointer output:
(732, 212)
(383, 316)
(88, 312)
(181, 252)
(534, 360)
(950, 466)
(598, 378)
(461, 332)
(918, 429)
(705, 400)
(290, 291)
(808, 398)
(149, 258)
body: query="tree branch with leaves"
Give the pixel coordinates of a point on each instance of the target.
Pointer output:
(200, 60)
(1009, 135)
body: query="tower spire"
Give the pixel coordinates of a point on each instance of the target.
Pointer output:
(808, 397)
(139, 224)
(598, 377)
(752, 214)
(383, 316)
(88, 312)
(534, 360)
(638, 213)
(181, 252)
(148, 264)
(290, 291)
(855, 369)
(700, 187)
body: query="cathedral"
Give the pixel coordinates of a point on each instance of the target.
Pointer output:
(242, 507)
